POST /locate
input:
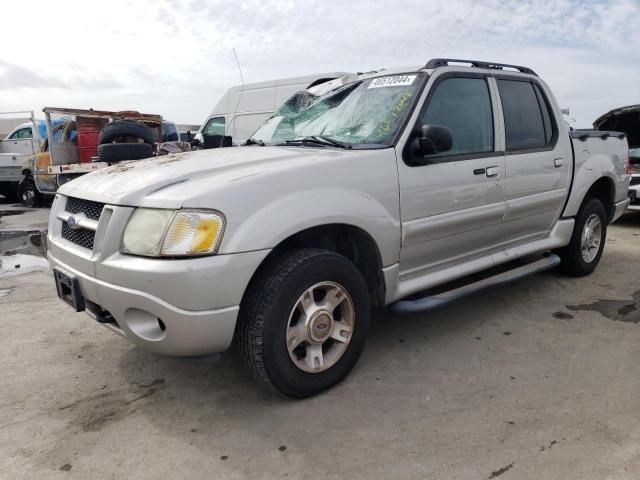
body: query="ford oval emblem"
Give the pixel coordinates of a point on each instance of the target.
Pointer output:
(73, 223)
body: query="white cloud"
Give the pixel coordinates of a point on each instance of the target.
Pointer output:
(175, 58)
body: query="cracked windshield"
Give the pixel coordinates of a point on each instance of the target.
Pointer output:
(362, 114)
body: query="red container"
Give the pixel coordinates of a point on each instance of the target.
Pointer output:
(88, 133)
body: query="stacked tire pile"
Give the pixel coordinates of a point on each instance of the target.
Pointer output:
(125, 140)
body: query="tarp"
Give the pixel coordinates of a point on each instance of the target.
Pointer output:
(42, 129)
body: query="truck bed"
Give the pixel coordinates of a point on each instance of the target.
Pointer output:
(595, 152)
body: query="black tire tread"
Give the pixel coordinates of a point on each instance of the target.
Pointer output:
(115, 152)
(31, 182)
(259, 303)
(125, 128)
(572, 263)
(261, 293)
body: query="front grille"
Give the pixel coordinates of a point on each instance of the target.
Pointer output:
(81, 237)
(634, 181)
(89, 208)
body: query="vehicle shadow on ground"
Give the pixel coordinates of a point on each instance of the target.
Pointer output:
(629, 220)
(224, 391)
(5, 202)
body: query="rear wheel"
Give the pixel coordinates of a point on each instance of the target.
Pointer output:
(583, 253)
(28, 193)
(304, 322)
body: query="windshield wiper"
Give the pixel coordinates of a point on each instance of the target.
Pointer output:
(251, 141)
(318, 140)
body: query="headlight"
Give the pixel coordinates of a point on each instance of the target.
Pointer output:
(145, 231)
(169, 233)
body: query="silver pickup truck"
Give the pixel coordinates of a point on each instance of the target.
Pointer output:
(385, 188)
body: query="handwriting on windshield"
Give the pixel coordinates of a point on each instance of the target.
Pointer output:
(387, 125)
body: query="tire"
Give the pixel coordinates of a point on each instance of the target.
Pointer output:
(125, 128)
(115, 152)
(573, 258)
(28, 193)
(269, 315)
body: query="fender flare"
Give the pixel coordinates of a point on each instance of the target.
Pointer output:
(276, 221)
(595, 168)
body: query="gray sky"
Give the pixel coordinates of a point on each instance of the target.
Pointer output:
(176, 59)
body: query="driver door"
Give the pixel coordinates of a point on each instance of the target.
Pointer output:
(452, 202)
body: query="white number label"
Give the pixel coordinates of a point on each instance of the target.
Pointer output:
(394, 81)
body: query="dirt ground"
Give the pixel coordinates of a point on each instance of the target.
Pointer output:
(534, 380)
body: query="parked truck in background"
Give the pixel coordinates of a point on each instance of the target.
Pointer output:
(22, 142)
(392, 185)
(78, 141)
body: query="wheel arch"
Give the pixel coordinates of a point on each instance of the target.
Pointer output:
(601, 187)
(348, 240)
(604, 190)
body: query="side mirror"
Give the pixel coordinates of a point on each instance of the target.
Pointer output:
(432, 139)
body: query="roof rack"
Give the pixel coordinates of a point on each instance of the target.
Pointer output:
(444, 62)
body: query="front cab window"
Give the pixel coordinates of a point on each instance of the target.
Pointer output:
(214, 126)
(463, 107)
(21, 134)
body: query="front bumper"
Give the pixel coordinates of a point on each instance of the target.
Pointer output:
(634, 198)
(154, 324)
(181, 307)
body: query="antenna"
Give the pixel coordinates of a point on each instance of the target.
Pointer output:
(233, 119)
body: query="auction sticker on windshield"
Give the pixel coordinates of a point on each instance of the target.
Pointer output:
(393, 81)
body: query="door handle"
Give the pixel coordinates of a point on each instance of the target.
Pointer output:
(558, 162)
(492, 172)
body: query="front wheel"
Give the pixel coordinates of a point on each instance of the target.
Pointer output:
(304, 322)
(583, 253)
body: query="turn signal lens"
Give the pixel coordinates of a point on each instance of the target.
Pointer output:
(193, 233)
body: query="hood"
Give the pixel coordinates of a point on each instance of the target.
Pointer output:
(130, 183)
(623, 119)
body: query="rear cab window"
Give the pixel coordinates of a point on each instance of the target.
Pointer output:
(528, 122)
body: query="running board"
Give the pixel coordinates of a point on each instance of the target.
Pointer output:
(549, 261)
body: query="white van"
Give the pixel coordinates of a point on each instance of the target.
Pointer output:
(244, 108)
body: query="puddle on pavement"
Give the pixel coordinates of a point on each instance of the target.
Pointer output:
(9, 213)
(29, 242)
(12, 265)
(617, 310)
